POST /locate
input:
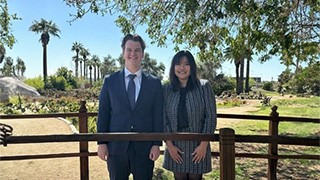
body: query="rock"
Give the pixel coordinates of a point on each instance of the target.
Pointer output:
(11, 86)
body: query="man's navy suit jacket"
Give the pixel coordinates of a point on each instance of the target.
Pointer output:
(116, 115)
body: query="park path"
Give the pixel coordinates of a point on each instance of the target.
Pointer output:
(46, 169)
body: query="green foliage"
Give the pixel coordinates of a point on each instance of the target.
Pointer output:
(8, 67)
(108, 66)
(297, 107)
(303, 107)
(67, 74)
(221, 84)
(308, 81)
(222, 30)
(6, 36)
(36, 82)
(58, 83)
(150, 65)
(283, 80)
(268, 86)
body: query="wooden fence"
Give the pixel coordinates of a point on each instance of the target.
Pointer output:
(226, 138)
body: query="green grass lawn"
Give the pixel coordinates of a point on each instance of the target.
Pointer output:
(293, 107)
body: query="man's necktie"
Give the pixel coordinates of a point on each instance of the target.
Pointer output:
(132, 90)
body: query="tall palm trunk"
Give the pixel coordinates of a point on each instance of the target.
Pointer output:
(240, 90)
(45, 65)
(95, 73)
(237, 64)
(80, 68)
(77, 63)
(247, 89)
(90, 74)
(98, 69)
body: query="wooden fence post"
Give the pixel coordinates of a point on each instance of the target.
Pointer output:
(273, 146)
(227, 153)
(83, 128)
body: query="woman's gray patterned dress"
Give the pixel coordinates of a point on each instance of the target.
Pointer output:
(201, 113)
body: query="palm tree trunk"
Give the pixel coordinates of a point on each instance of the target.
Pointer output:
(241, 75)
(247, 89)
(84, 68)
(237, 64)
(80, 68)
(77, 62)
(98, 72)
(45, 66)
(95, 73)
(90, 72)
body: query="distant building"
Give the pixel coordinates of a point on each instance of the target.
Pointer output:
(256, 79)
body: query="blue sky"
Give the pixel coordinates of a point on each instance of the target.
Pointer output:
(97, 33)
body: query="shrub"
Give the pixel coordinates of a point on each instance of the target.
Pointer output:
(268, 86)
(36, 82)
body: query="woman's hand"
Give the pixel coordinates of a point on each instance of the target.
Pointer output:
(200, 152)
(174, 152)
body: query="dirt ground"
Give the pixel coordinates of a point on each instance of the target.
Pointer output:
(65, 168)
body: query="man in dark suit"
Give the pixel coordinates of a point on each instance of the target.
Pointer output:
(143, 113)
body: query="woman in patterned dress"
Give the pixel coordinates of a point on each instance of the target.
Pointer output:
(189, 107)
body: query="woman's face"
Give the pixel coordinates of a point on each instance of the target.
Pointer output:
(182, 70)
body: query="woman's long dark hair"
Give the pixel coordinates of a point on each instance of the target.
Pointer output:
(192, 82)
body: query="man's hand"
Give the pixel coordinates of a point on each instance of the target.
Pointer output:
(154, 153)
(103, 152)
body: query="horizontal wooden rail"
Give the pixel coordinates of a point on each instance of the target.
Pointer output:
(110, 137)
(228, 116)
(311, 141)
(213, 154)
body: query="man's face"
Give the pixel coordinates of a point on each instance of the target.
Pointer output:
(133, 53)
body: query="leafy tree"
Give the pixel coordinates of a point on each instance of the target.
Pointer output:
(76, 46)
(268, 86)
(295, 30)
(207, 70)
(221, 84)
(45, 28)
(286, 28)
(151, 65)
(8, 67)
(108, 66)
(308, 81)
(283, 81)
(58, 83)
(6, 36)
(67, 74)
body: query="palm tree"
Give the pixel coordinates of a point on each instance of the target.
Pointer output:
(76, 46)
(45, 28)
(84, 53)
(95, 61)
(20, 67)
(90, 64)
(236, 56)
